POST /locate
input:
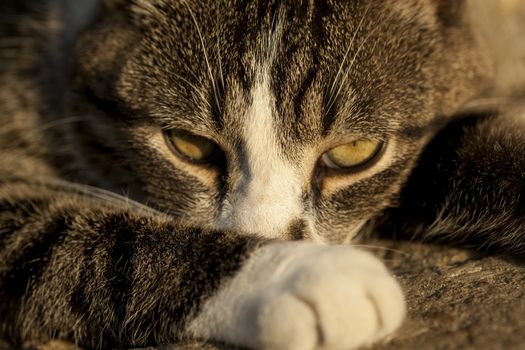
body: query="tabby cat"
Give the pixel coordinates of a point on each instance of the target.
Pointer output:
(156, 155)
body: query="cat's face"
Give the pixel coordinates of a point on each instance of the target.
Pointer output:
(288, 119)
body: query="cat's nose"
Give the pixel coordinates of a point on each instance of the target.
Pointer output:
(266, 208)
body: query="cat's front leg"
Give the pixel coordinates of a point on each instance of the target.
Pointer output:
(304, 296)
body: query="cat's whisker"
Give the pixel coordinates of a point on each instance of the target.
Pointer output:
(40, 130)
(105, 195)
(339, 71)
(203, 44)
(347, 71)
(483, 104)
(354, 58)
(378, 247)
(190, 71)
(219, 57)
(60, 122)
(221, 73)
(197, 92)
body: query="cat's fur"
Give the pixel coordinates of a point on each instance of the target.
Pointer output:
(195, 251)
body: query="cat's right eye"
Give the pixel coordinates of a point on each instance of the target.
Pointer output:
(191, 147)
(352, 156)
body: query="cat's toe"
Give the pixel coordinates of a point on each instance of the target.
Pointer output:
(354, 299)
(285, 322)
(305, 296)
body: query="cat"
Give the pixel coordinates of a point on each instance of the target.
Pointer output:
(189, 169)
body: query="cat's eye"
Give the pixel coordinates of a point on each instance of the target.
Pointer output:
(353, 155)
(192, 147)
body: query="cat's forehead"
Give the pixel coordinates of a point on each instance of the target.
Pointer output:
(240, 29)
(328, 65)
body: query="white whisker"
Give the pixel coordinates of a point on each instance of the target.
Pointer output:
(220, 65)
(59, 122)
(218, 48)
(370, 246)
(42, 128)
(203, 44)
(347, 71)
(350, 66)
(101, 194)
(346, 54)
(196, 91)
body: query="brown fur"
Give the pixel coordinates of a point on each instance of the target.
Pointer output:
(76, 262)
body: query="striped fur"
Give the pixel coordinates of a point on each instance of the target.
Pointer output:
(109, 239)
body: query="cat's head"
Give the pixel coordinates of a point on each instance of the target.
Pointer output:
(287, 119)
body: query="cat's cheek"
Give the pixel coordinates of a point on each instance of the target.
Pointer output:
(304, 296)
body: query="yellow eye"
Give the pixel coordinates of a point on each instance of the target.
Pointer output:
(192, 147)
(352, 155)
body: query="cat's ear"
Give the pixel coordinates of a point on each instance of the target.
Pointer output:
(101, 50)
(464, 58)
(441, 13)
(465, 50)
(450, 13)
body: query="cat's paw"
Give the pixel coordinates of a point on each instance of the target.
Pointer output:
(305, 296)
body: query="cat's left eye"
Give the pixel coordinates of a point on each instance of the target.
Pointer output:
(354, 155)
(192, 147)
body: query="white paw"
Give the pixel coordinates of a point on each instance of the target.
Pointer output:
(304, 296)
